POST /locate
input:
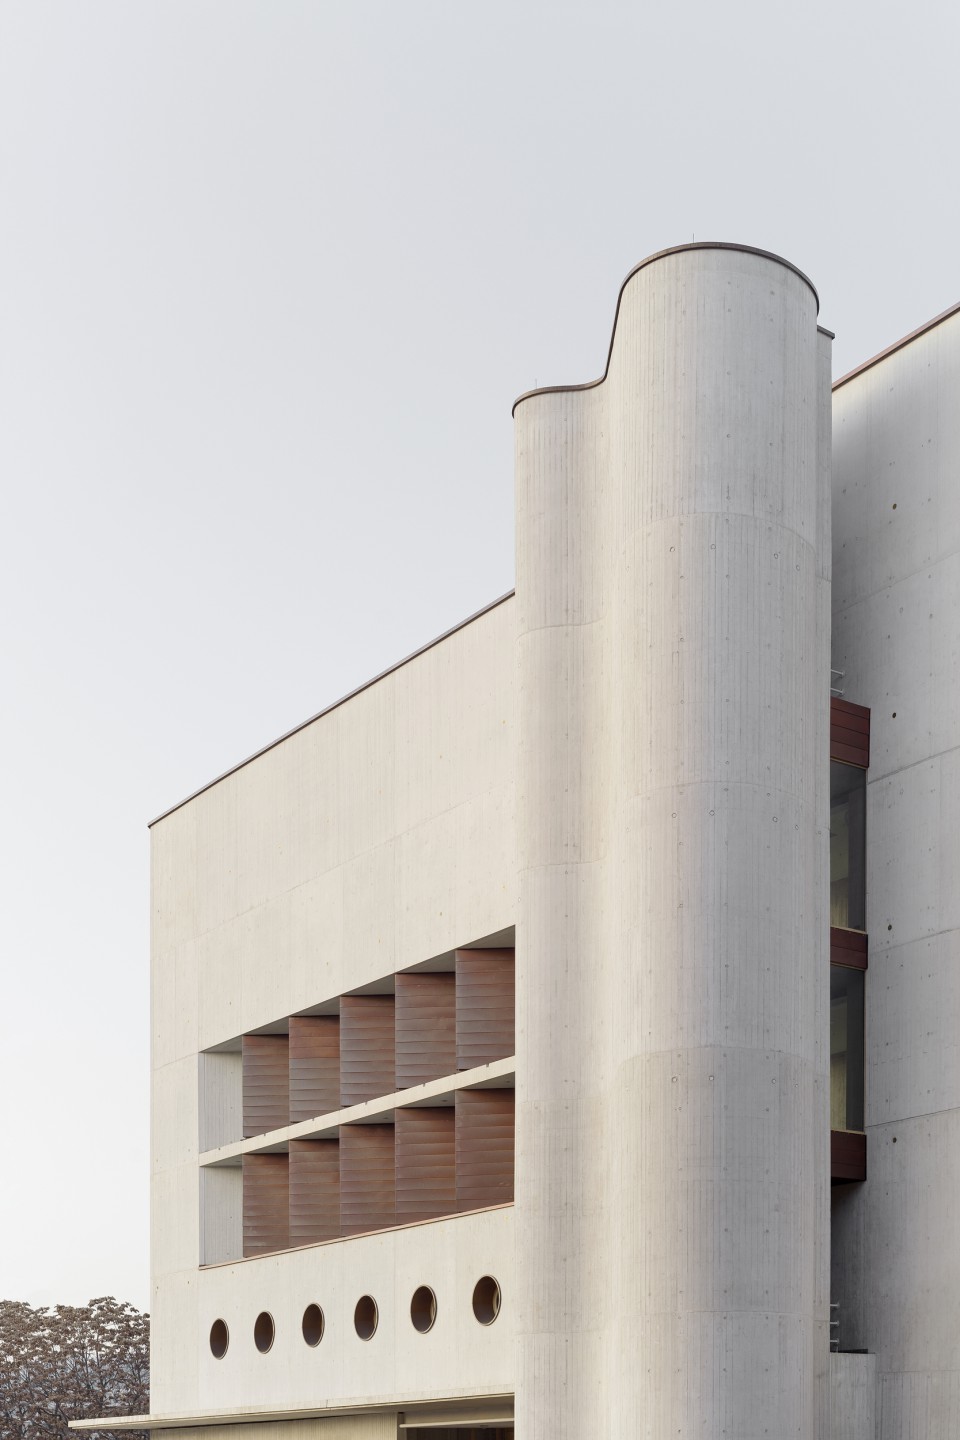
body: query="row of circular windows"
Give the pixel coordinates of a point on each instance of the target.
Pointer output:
(366, 1317)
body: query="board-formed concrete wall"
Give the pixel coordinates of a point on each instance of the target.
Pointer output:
(673, 571)
(896, 1262)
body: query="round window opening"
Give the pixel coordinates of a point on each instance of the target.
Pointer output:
(263, 1332)
(486, 1300)
(313, 1324)
(423, 1309)
(219, 1339)
(365, 1317)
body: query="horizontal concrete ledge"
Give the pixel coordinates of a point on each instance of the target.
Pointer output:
(459, 1408)
(661, 255)
(489, 1077)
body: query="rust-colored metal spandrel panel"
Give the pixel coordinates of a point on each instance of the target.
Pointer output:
(485, 1006)
(849, 733)
(426, 1163)
(367, 1048)
(314, 1066)
(848, 1155)
(426, 1028)
(314, 1191)
(266, 1204)
(266, 1083)
(849, 948)
(367, 1179)
(485, 1148)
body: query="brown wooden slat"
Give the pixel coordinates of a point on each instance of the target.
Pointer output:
(266, 1083)
(367, 1178)
(314, 1191)
(367, 1058)
(485, 1006)
(848, 1155)
(266, 1224)
(314, 1066)
(848, 947)
(426, 1028)
(485, 1147)
(849, 733)
(426, 1163)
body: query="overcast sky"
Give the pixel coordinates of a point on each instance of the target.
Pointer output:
(271, 275)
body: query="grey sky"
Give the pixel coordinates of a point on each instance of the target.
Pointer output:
(270, 277)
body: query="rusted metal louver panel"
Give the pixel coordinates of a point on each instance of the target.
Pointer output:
(266, 1205)
(848, 947)
(367, 1066)
(367, 1179)
(485, 1006)
(426, 1163)
(266, 1083)
(849, 733)
(314, 1191)
(426, 1028)
(485, 1144)
(314, 1066)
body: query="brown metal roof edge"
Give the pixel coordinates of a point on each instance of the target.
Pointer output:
(352, 694)
(660, 255)
(897, 345)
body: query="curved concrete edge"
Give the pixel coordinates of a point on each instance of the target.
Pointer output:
(662, 255)
(897, 345)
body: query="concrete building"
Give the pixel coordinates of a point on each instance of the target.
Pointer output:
(513, 1037)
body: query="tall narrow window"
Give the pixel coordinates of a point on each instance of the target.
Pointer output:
(848, 789)
(846, 1048)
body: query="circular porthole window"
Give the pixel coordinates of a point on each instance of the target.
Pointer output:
(486, 1300)
(263, 1332)
(365, 1317)
(313, 1325)
(423, 1309)
(219, 1339)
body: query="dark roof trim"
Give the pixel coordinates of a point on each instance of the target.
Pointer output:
(898, 345)
(660, 255)
(342, 701)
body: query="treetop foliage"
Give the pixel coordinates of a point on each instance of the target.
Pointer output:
(71, 1362)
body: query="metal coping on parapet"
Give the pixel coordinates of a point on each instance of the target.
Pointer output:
(660, 255)
(414, 655)
(897, 345)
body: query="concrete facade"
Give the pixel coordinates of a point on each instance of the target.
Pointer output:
(620, 773)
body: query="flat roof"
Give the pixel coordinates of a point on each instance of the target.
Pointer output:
(342, 701)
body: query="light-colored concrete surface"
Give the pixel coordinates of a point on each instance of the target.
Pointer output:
(896, 1263)
(853, 1397)
(673, 690)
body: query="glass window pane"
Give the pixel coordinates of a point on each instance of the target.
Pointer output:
(846, 1048)
(848, 789)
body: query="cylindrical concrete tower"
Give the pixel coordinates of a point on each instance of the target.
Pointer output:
(673, 603)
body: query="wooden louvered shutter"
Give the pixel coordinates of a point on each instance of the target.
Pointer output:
(266, 1224)
(849, 733)
(485, 1142)
(426, 1163)
(367, 1064)
(367, 1178)
(314, 1191)
(314, 1066)
(485, 1006)
(266, 1083)
(426, 1028)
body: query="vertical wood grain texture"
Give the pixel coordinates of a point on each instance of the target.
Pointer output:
(367, 1178)
(849, 733)
(426, 1163)
(367, 1058)
(266, 1204)
(266, 1083)
(314, 1066)
(485, 1006)
(485, 1148)
(314, 1191)
(426, 1028)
